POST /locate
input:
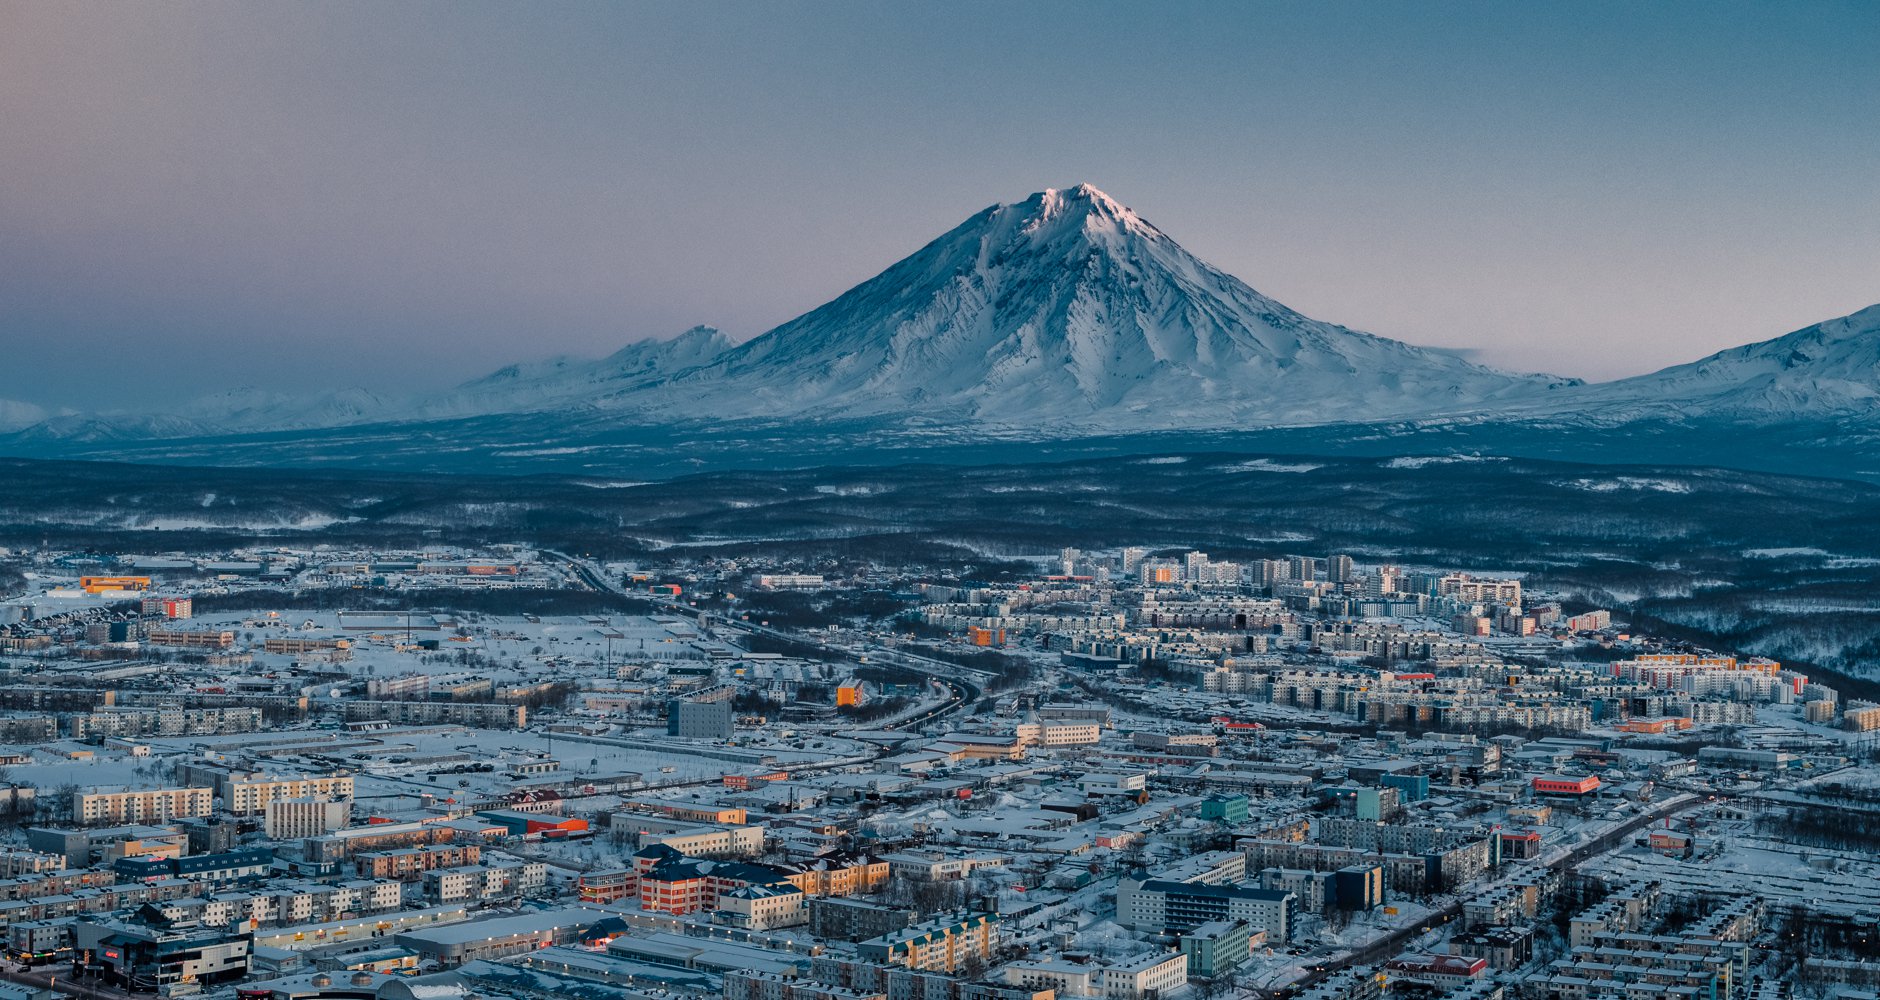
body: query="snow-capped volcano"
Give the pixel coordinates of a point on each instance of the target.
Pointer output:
(1060, 314)
(1063, 316)
(1069, 310)
(1828, 370)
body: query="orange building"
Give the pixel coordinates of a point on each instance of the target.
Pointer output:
(985, 636)
(100, 584)
(1566, 786)
(676, 884)
(408, 864)
(839, 874)
(610, 886)
(1520, 844)
(1654, 726)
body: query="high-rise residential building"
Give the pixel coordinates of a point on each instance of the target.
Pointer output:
(250, 794)
(694, 720)
(1464, 587)
(295, 819)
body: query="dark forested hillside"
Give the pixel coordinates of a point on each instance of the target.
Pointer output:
(1775, 564)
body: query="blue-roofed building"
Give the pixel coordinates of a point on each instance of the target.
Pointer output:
(246, 864)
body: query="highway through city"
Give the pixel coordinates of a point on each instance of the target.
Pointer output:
(963, 683)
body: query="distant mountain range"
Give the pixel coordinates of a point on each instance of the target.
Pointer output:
(1062, 318)
(1829, 370)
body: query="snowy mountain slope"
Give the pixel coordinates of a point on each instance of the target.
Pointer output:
(1061, 314)
(1064, 317)
(243, 410)
(252, 409)
(1067, 311)
(1830, 370)
(562, 382)
(565, 382)
(15, 415)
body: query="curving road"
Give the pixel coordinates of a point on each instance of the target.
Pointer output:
(964, 682)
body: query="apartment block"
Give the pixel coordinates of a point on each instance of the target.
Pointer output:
(295, 819)
(411, 713)
(154, 805)
(944, 945)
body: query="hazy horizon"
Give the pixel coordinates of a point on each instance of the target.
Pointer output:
(401, 198)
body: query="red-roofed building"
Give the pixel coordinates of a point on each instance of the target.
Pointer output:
(1562, 785)
(1438, 970)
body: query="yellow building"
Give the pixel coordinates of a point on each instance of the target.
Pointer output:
(151, 805)
(251, 795)
(100, 584)
(944, 945)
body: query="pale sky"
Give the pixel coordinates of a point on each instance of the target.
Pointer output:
(402, 196)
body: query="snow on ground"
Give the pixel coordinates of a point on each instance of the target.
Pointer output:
(1635, 483)
(1420, 461)
(503, 648)
(1780, 875)
(1268, 465)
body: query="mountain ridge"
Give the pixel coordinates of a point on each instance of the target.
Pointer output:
(1068, 308)
(1061, 316)
(1823, 369)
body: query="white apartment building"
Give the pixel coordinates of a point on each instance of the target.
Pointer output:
(762, 907)
(247, 795)
(1470, 590)
(153, 805)
(932, 866)
(452, 885)
(16, 863)
(1066, 979)
(293, 819)
(1158, 974)
(1114, 782)
(695, 840)
(366, 896)
(1058, 734)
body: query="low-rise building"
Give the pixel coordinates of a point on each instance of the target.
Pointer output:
(151, 805)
